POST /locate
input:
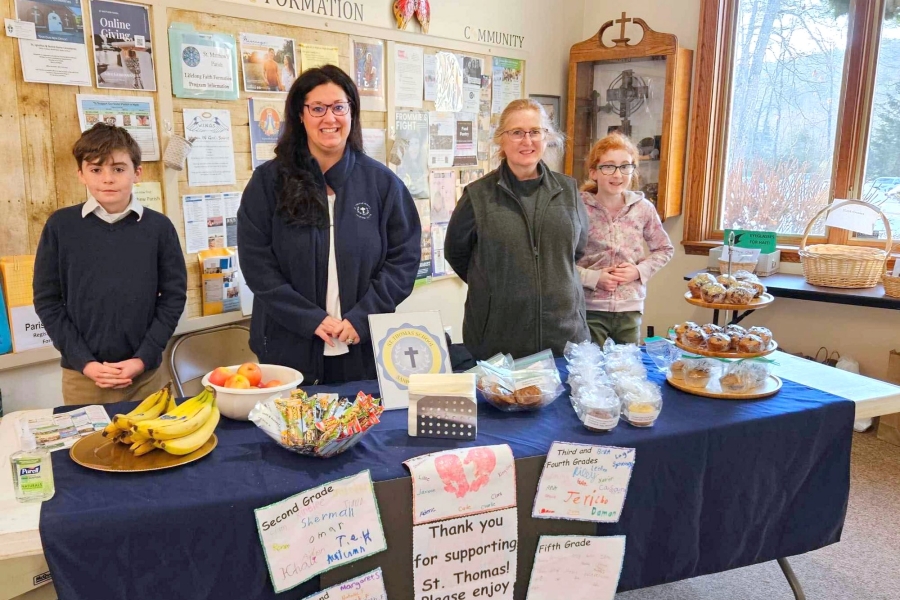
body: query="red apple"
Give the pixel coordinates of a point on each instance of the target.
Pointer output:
(220, 376)
(251, 372)
(272, 383)
(238, 382)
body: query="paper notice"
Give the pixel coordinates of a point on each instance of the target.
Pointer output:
(211, 162)
(374, 144)
(149, 195)
(462, 482)
(321, 528)
(195, 238)
(584, 483)
(369, 586)
(586, 567)
(408, 76)
(853, 217)
(312, 56)
(470, 557)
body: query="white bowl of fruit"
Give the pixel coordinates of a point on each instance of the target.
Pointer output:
(240, 387)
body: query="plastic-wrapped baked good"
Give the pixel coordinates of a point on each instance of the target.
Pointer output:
(743, 274)
(719, 342)
(739, 295)
(713, 293)
(698, 371)
(677, 369)
(711, 328)
(764, 334)
(756, 285)
(517, 390)
(744, 375)
(694, 338)
(641, 401)
(726, 280)
(735, 330)
(698, 281)
(750, 344)
(599, 408)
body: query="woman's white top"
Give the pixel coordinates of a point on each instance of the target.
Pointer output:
(332, 291)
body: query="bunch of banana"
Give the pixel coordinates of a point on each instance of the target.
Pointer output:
(153, 406)
(180, 431)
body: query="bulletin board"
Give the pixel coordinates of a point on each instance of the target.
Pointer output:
(39, 122)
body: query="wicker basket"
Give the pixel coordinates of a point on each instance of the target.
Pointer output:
(838, 266)
(891, 285)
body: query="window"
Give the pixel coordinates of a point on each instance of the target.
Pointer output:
(797, 102)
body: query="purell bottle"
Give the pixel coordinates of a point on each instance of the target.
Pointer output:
(32, 470)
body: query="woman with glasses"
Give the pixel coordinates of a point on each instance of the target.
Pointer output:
(514, 238)
(615, 269)
(326, 237)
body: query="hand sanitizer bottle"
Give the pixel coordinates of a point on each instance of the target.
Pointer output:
(32, 470)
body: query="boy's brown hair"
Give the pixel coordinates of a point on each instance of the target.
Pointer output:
(98, 143)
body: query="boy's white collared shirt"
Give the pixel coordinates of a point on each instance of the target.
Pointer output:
(92, 206)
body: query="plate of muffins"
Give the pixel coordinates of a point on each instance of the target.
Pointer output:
(730, 341)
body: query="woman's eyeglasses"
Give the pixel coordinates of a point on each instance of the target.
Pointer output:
(338, 109)
(626, 169)
(518, 135)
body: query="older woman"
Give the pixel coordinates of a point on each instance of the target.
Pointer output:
(514, 238)
(327, 236)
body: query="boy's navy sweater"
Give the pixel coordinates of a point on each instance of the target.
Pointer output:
(109, 292)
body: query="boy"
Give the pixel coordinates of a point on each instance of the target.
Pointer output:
(109, 278)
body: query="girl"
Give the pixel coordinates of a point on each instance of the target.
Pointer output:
(614, 269)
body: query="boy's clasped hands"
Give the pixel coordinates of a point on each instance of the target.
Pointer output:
(114, 376)
(342, 330)
(613, 277)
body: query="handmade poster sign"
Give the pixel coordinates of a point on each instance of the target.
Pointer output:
(368, 586)
(469, 557)
(584, 483)
(319, 529)
(586, 567)
(204, 65)
(462, 482)
(407, 343)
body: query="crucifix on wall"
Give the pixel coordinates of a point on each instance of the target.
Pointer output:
(623, 21)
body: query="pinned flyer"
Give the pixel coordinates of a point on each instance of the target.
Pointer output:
(584, 483)
(586, 567)
(470, 557)
(462, 482)
(369, 586)
(319, 529)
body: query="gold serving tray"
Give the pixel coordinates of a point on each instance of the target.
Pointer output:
(95, 452)
(714, 390)
(773, 346)
(763, 301)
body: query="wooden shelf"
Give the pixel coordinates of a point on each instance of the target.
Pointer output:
(50, 354)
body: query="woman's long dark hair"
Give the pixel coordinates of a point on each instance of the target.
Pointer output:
(300, 201)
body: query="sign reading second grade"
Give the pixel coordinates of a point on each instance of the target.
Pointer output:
(319, 529)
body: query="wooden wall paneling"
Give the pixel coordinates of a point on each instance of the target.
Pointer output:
(37, 150)
(13, 205)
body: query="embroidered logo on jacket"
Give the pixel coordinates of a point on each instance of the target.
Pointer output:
(363, 210)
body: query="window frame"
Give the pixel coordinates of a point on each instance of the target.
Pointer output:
(710, 110)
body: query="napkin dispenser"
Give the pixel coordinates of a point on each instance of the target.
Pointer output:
(443, 406)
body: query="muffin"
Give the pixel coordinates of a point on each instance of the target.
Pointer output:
(711, 328)
(726, 280)
(694, 338)
(739, 295)
(698, 375)
(713, 293)
(719, 342)
(735, 330)
(758, 288)
(695, 284)
(732, 382)
(676, 369)
(764, 334)
(681, 329)
(743, 274)
(750, 344)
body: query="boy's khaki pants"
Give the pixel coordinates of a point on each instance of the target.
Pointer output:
(79, 389)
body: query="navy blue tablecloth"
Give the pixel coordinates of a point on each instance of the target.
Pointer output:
(716, 485)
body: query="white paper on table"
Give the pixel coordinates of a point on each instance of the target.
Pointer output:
(195, 238)
(47, 61)
(319, 529)
(56, 432)
(475, 555)
(441, 139)
(430, 68)
(741, 255)
(368, 586)
(586, 567)
(584, 483)
(374, 144)
(409, 79)
(462, 482)
(20, 29)
(211, 161)
(853, 217)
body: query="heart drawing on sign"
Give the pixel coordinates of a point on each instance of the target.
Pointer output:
(453, 470)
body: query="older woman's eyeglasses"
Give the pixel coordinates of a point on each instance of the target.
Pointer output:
(626, 169)
(518, 135)
(338, 109)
